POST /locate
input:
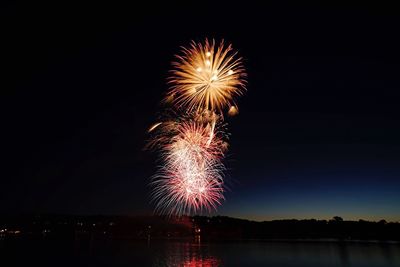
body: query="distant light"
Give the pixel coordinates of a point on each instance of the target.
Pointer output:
(230, 72)
(208, 62)
(208, 54)
(199, 69)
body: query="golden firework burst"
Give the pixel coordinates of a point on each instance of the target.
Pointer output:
(206, 77)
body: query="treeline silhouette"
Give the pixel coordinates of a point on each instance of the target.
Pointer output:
(336, 228)
(208, 228)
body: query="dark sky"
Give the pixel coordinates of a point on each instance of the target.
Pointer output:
(318, 133)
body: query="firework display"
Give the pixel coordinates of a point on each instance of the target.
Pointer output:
(192, 140)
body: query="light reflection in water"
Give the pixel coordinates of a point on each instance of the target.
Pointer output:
(210, 262)
(188, 254)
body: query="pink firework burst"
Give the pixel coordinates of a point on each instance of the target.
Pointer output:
(191, 176)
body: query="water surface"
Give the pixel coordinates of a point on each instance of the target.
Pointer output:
(76, 253)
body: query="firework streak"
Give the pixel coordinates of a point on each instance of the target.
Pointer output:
(191, 138)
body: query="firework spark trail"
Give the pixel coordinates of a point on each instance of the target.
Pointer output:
(205, 79)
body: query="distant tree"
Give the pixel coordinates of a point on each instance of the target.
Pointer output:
(337, 219)
(382, 222)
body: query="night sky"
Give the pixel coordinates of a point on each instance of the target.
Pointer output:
(318, 133)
